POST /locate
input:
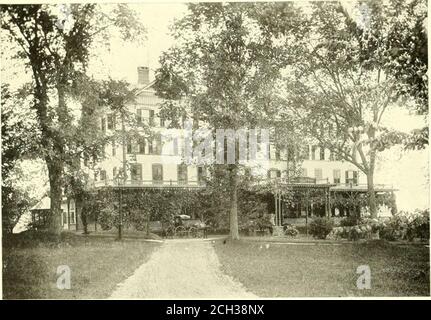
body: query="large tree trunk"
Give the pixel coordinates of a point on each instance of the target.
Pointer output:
(55, 172)
(84, 221)
(56, 163)
(233, 216)
(371, 195)
(80, 205)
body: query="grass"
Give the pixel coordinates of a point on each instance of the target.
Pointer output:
(309, 270)
(97, 265)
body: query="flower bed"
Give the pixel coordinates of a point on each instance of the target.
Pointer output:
(402, 226)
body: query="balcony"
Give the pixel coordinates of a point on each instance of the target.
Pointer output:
(190, 184)
(360, 187)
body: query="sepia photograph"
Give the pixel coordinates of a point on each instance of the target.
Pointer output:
(214, 151)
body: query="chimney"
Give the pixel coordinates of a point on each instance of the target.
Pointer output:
(143, 75)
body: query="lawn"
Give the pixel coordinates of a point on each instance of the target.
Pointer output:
(310, 270)
(97, 265)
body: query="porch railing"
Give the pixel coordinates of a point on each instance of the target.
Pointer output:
(149, 183)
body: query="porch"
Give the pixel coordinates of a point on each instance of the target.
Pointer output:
(297, 201)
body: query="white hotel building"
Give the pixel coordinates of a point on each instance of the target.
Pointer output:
(153, 164)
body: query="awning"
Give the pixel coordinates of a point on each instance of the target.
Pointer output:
(44, 204)
(362, 188)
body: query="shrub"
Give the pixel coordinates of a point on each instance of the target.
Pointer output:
(302, 229)
(388, 232)
(406, 226)
(321, 227)
(349, 221)
(107, 218)
(419, 227)
(352, 233)
(290, 231)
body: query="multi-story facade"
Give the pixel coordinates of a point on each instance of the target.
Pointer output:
(152, 163)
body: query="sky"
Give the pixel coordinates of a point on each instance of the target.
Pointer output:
(124, 58)
(407, 171)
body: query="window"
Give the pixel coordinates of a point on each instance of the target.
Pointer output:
(139, 116)
(274, 173)
(64, 216)
(337, 176)
(277, 153)
(290, 153)
(157, 173)
(201, 174)
(72, 211)
(313, 152)
(162, 121)
(111, 121)
(158, 146)
(141, 145)
(103, 124)
(114, 148)
(129, 147)
(306, 152)
(182, 174)
(136, 172)
(95, 175)
(318, 173)
(103, 150)
(150, 146)
(175, 145)
(114, 173)
(322, 153)
(352, 177)
(102, 175)
(151, 119)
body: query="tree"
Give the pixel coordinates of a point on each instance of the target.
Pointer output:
(56, 48)
(343, 83)
(222, 70)
(18, 142)
(408, 54)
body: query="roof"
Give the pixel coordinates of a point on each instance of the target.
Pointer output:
(147, 87)
(363, 188)
(44, 204)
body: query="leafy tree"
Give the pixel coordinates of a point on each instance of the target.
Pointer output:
(408, 57)
(342, 84)
(57, 47)
(222, 71)
(18, 142)
(89, 141)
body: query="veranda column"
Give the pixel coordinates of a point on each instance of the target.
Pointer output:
(276, 208)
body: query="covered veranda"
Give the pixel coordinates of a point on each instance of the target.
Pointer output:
(297, 201)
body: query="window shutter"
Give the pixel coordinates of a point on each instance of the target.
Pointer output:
(139, 116)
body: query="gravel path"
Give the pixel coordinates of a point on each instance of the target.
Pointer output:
(181, 269)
